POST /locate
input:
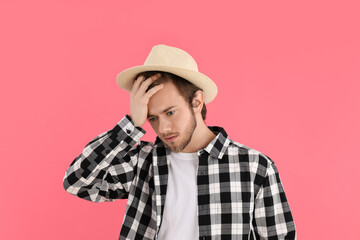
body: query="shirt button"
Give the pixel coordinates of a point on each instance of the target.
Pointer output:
(128, 131)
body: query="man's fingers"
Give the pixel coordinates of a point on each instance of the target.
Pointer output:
(137, 83)
(145, 84)
(153, 90)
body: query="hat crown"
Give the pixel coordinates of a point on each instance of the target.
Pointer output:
(170, 56)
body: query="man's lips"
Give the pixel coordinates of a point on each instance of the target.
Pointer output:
(171, 138)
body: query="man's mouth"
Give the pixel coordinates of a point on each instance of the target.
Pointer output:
(170, 139)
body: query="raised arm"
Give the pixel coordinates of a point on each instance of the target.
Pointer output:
(107, 165)
(105, 168)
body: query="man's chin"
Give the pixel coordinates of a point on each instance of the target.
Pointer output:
(172, 147)
(169, 145)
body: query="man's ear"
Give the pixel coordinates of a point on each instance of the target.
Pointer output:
(198, 100)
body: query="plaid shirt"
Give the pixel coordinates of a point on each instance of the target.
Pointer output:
(240, 194)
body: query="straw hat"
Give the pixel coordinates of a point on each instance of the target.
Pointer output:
(173, 60)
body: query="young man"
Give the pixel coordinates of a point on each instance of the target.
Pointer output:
(194, 182)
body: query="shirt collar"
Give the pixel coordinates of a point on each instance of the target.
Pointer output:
(216, 148)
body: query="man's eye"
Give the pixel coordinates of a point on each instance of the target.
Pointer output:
(152, 119)
(171, 112)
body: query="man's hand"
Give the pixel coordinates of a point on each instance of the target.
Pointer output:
(139, 99)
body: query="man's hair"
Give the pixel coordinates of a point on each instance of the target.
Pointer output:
(185, 88)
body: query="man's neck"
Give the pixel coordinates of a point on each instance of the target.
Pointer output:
(201, 138)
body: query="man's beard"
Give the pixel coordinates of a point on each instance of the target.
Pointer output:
(189, 131)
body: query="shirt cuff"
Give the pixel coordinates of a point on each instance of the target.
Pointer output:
(126, 128)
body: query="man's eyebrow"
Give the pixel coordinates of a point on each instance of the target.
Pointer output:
(163, 111)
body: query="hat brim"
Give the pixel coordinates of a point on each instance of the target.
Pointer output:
(126, 78)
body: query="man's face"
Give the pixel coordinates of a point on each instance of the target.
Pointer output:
(169, 114)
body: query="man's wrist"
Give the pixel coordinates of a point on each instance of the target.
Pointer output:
(135, 124)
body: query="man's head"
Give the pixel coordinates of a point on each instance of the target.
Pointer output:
(175, 109)
(186, 89)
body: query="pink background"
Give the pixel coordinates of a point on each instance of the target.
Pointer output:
(288, 78)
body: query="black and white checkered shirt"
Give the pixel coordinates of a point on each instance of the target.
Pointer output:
(240, 194)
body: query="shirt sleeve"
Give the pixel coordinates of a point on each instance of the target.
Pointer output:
(105, 168)
(272, 215)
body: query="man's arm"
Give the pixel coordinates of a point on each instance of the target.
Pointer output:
(105, 168)
(272, 215)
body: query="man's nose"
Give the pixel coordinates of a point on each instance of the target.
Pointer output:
(164, 126)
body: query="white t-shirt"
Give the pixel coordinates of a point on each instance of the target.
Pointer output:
(180, 220)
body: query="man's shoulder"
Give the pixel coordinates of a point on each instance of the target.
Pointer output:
(146, 146)
(244, 152)
(149, 147)
(253, 155)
